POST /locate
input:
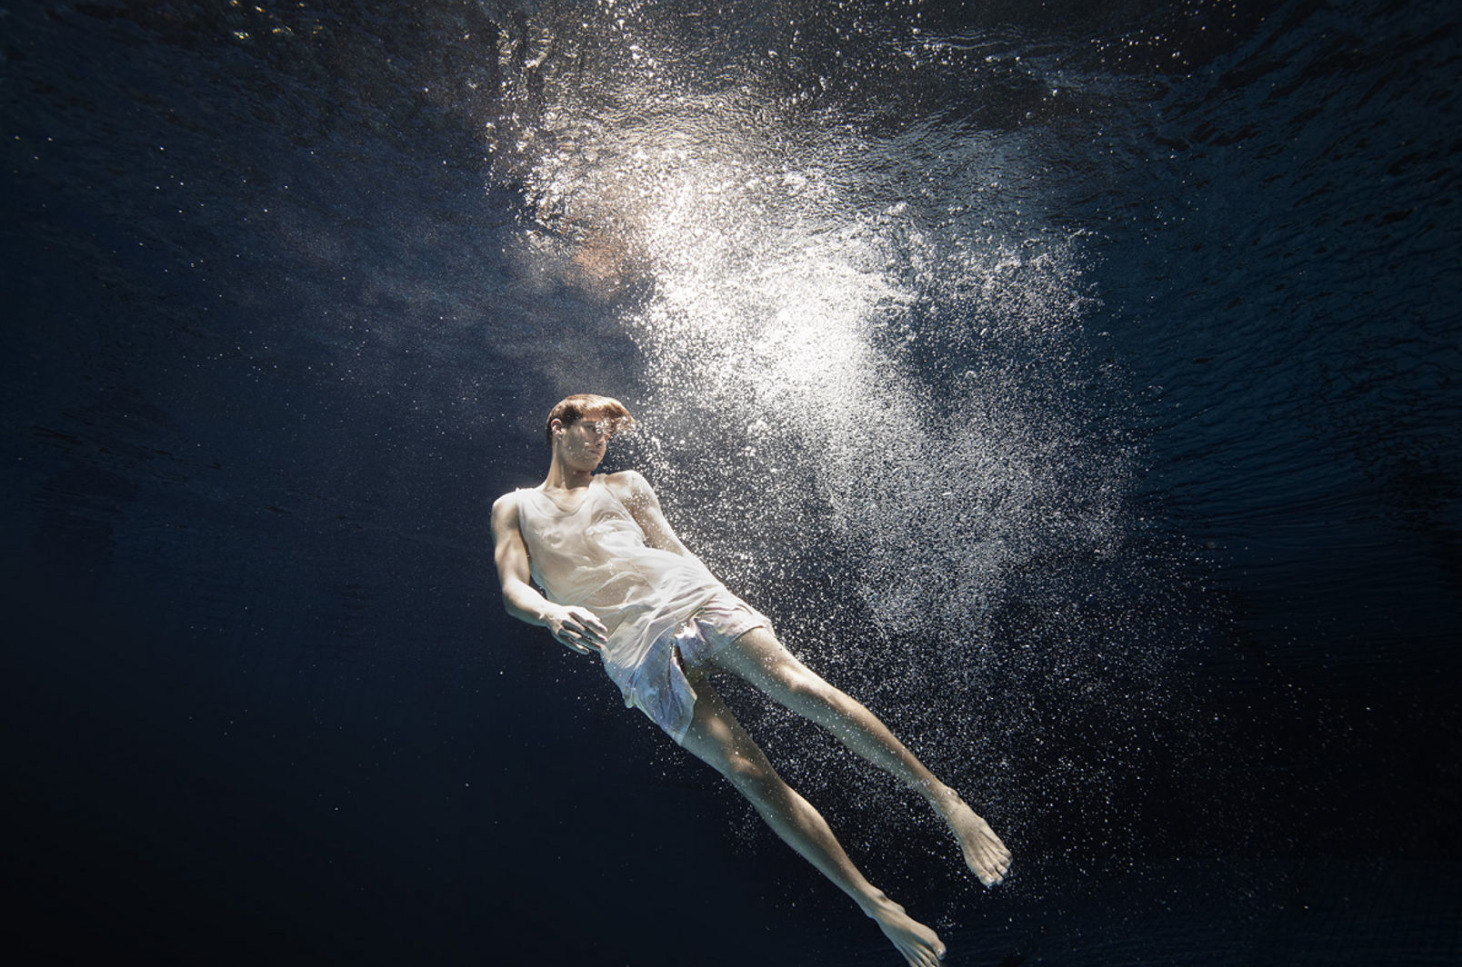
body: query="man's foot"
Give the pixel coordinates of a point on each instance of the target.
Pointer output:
(920, 946)
(985, 855)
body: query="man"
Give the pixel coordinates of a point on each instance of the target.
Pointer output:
(616, 582)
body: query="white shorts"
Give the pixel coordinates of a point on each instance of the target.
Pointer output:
(718, 623)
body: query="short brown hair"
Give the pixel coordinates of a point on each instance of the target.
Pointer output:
(571, 409)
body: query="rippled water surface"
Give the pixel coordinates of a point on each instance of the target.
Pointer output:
(1075, 384)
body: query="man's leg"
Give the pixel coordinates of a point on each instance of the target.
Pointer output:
(716, 737)
(760, 659)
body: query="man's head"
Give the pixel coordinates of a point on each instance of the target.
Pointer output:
(587, 406)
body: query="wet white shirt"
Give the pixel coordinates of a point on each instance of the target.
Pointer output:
(594, 556)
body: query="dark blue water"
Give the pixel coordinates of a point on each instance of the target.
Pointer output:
(1078, 385)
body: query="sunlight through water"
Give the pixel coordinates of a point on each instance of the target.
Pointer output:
(869, 399)
(819, 307)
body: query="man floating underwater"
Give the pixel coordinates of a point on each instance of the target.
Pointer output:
(616, 582)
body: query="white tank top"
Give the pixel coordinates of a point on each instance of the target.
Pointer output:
(595, 556)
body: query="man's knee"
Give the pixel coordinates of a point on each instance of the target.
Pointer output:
(806, 691)
(752, 776)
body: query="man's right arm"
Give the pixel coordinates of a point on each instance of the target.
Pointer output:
(575, 628)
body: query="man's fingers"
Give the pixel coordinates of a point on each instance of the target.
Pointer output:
(591, 628)
(578, 639)
(572, 645)
(581, 631)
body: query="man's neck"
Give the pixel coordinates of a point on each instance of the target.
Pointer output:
(565, 478)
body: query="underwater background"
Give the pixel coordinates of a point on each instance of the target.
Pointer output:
(1076, 384)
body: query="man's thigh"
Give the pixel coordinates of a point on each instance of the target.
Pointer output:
(759, 658)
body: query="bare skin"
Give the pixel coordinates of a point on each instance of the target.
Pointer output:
(715, 736)
(760, 659)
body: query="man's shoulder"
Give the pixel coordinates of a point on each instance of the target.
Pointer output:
(625, 477)
(508, 502)
(626, 483)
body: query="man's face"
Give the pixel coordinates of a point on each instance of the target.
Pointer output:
(586, 440)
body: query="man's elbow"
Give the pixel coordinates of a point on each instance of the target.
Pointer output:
(513, 602)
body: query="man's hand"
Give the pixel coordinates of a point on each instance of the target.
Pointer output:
(573, 627)
(577, 629)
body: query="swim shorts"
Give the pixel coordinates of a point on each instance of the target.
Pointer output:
(658, 685)
(718, 623)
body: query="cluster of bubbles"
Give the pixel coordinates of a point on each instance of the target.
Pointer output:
(818, 330)
(868, 397)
